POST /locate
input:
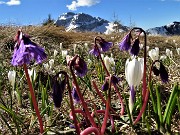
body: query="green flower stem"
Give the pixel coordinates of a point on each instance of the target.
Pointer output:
(33, 99)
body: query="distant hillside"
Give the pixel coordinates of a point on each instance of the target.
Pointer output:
(166, 30)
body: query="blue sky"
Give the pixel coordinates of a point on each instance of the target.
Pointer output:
(144, 13)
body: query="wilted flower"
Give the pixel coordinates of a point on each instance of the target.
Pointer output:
(58, 90)
(135, 47)
(125, 44)
(12, 77)
(154, 54)
(80, 67)
(26, 50)
(75, 95)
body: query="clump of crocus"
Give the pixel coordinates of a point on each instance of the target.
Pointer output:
(26, 51)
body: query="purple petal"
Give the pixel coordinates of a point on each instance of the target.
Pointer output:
(135, 48)
(80, 67)
(75, 95)
(94, 52)
(105, 86)
(125, 44)
(133, 93)
(105, 46)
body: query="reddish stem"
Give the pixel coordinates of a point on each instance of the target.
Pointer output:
(80, 95)
(90, 130)
(121, 100)
(100, 95)
(33, 98)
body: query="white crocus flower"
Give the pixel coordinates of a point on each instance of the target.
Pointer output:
(107, 62)
(178, 51)
(154, 54)
(55, 53)
(141, 46)
(147, 48)
(51, 63)
(163, 57)
(102, 56)
(60, 46)
(168, 52)
(134, 71)
(12, 77)
(32, 74)
(46, 66)
(64, 53)
(75, 46)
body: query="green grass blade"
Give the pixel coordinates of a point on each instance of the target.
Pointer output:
(158, 95)
(172, 96)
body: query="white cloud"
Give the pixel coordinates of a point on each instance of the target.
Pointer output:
(81, 3)
(11, 2)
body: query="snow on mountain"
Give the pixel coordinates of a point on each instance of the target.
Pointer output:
(81, 22)
(166, 30)
(85, 22)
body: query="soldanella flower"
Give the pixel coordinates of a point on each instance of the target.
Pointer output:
(64, 53)
(125, 44)
(154, 53)
(104, 46)
(12, 77)
(75, 95)
(58, 90)
(161, 71)
(134, 73)
(79, 66)
(135, 47)
(26, 51)
(114, 79)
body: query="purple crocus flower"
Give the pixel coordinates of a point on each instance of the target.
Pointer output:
(80, 67)
(75, 95)
(105, 46)
(94, 52)
(58, 90)
(135, 47)
(125, 44)
(25, 51)
(163, 73)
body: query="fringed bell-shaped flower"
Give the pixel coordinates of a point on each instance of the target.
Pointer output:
(114, 79)
(75, 95)
(162, 72)
(125, 44)
(105, 46)
(135, 47)
(25, 51)
(58, 90)
(80, 67)
(94, 52)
